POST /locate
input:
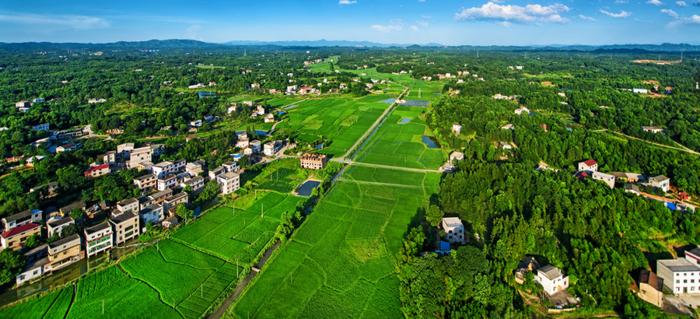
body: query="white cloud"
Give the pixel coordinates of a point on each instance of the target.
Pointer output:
(621, 14)
(585, 17)
(655, 2)
(346, 2)
(68, 21)
(681, 3)
(515, 13)
(193, 32)
(670, 13)
(695, 19)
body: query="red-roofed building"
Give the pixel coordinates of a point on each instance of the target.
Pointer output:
(588, 166)
(97, 171)
(14, 238)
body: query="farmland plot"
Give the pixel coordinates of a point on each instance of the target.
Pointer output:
(342, 120)
(341, 261)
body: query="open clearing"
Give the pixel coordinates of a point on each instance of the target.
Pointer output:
(342, 120)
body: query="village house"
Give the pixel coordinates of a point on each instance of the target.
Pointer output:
(195, 184)
(229, 182)
(164, 168)
(255, 146)
(125, 226)
(64, 252)
(216, 172)
(56, 226)
(242, 140)
(456, 129)
(661, 182)
(605, 178)
(632, 189)
(454, 230)
(640, 91)
(128, 205)
(139, 155)
(97, 171)
(499, 96)
(508, 126)
(627, 177)
(456, 156)
(22, 218)
(651, 288)
(269, 118)
(168, 181)
(151, 214)
(174, 200)
(98, 238)
(313, 161)
(96, 101)
(16, 237)
(652, 129)
(157, 198)
(34, 268)
(109, 157)
(552, 279)
(146, 182)
(588, 166)
(195, 168)
(271, 148)
(522, 110)
(231, 167)
(680, 275)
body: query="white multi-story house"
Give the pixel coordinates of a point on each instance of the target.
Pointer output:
(588, 166)
(661, 182)
(195, 184)
(680, 275)
(128, 205)
(454, 230)
(152, 214)
(164, 168)
(56, 227)
(195, 168)
(456, 129)
(229, 182)
(146, 181)
(605, 178)
(552, 279)
(167, 182)
(140, 155)
(22, 218)
(98, 238)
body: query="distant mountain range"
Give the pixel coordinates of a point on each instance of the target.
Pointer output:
(193, 44)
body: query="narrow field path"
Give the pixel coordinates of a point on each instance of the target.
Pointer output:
(398, 168)
(372, 128)
(679, 148)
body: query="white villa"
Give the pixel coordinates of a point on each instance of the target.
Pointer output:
(552, 279)
(454, 228)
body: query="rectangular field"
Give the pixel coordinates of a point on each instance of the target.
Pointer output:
(399, 142)
(341, 120)
(341, 261)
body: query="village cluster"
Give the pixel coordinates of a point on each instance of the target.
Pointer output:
(164, 187)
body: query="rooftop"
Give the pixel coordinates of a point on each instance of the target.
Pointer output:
(550, 272)
(678, 265)
(64, 240)
(19, 229)
(61, 221)
(122, 217)
(96, 228)
(452, 221)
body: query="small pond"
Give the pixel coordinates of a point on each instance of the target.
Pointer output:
(405, 120)
(308, 187)
(429, 142)
(417, 103)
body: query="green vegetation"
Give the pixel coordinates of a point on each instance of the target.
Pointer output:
(336, 122)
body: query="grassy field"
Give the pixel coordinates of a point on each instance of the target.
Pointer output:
(342, 120)
(282, 176)
(238, 235)
(398, 142)
(340, 263)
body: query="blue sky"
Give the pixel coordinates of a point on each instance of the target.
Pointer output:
(478, 22)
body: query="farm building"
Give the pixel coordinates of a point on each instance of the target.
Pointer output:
(313, 161)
